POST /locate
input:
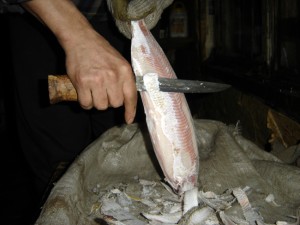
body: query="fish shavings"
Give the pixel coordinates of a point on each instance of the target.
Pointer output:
(271, 199)
(251, 215)
(217, 202)
(197, 215)
(126, 202)
(130, 204)
(233, 220)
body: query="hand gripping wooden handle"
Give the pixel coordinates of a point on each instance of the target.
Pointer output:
(61, 89)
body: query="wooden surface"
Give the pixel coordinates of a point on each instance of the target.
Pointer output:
(259, 122)
(284, 129)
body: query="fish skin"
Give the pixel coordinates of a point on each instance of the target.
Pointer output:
(168, 116)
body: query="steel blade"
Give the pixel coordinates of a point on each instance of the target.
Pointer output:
(184, 86)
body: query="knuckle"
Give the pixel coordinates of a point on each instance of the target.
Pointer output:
(125, 68)
(85, 104)
(116, 99)
(101, 104)
(116, 104)
(101, 107)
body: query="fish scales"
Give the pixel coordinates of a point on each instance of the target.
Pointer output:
(168, 116)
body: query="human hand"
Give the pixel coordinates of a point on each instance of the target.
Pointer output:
(100, 75)
(124, 11)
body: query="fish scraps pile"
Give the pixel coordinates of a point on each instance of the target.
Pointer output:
(115, 181)
(143, 202)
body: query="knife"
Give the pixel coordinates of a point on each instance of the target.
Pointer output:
(183, 86)
(61, 89)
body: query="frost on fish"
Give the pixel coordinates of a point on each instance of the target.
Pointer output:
(168, 116)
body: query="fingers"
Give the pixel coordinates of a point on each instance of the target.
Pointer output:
(130, 101)
(110, 89)
(83, 92)
(123, 92)
(91, 91)
(101, 76)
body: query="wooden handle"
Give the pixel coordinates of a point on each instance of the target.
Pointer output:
(61, 89)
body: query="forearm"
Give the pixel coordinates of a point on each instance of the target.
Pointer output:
(63, 18)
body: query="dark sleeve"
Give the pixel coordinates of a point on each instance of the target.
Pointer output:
(12, 1)
(11, 6)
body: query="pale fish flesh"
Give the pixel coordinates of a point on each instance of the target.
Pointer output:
(168, 116)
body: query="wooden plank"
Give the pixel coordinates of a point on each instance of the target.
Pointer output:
(284, 129)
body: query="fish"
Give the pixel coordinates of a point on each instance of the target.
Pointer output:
(168, 116)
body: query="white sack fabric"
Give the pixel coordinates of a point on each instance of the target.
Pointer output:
(123, 155)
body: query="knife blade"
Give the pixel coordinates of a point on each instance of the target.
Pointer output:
(61, 89)
(183, 86)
